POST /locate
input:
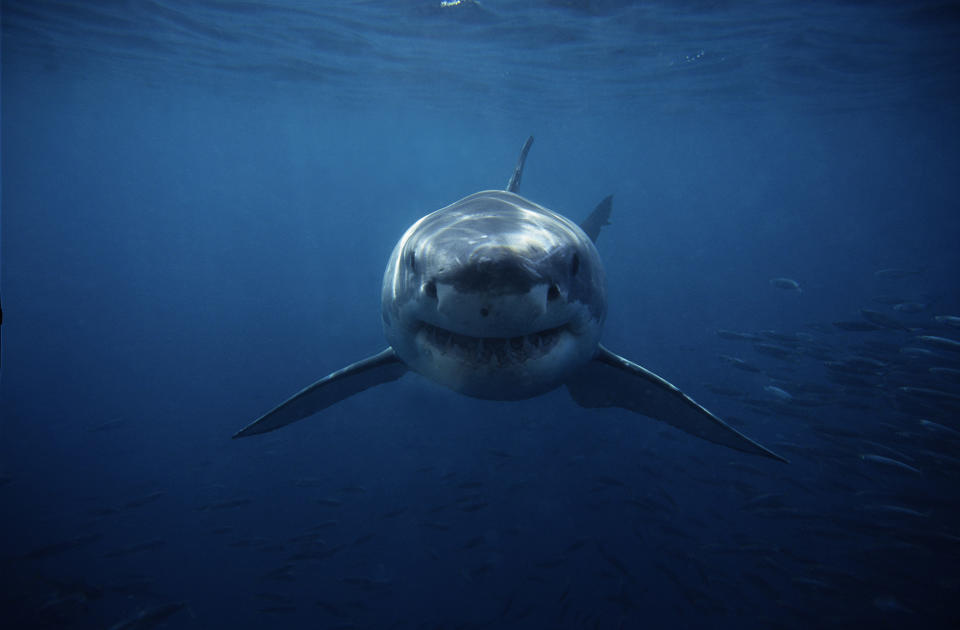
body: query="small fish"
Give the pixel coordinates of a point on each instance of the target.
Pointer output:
(326, 524)
(891, 604)
(506, 607)
(393, 513)
(909, 307)
(779, 393)
(768, 500)
(889, 299)
(280, 573)
(476, 541)
(106, 426)
(887, 461)
(308, 482)
(330, 609)
(810, 582)
(740, 364)
(917, 353)
(149, 617)
(894, 273)
(949, 320)
(614, 562)
(787, 284)
(53, 549)
(244, 542)
(950, 374)
(793, 338)
(939, 428)
(550, 563)
(856, 326)
(362, 539)
(884, 321)
(897, 509)
(362, 581)
(226, 505)
(277, 609)
(609, 481)
(150, 498)
(931, 394)
(941, 343)
(865, 363)
(774, 351)
(132, 549)
(890, 451)
(308, 537)
(737, 336)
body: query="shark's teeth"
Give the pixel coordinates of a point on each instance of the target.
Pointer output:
(488, 350)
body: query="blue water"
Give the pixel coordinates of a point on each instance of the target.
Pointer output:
(198, 201)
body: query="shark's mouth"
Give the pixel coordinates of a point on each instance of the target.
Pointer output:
(491, 351)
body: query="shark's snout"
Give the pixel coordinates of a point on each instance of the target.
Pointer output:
(485, 314)
(494, 271)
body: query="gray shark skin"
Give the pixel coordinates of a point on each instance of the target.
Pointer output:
(497, 297)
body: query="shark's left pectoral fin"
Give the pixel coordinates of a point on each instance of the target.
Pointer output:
(610, 380)
(353, 379)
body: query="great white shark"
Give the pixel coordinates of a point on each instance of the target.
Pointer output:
(497, 297)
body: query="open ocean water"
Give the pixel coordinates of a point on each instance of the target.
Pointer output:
(198, 202)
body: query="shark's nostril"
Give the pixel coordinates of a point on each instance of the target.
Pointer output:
(553, 292)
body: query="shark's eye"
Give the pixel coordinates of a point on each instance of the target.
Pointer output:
(575, 265)
(553, 292)
(430, 289)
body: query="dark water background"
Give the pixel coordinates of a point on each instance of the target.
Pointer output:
(198, 202)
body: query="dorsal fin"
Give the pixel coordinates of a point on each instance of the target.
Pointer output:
(518, 171)
(598, 218)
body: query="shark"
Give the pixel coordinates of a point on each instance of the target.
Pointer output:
(500, 298)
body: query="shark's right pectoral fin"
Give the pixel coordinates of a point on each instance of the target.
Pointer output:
(610, 380)
(353, 379)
